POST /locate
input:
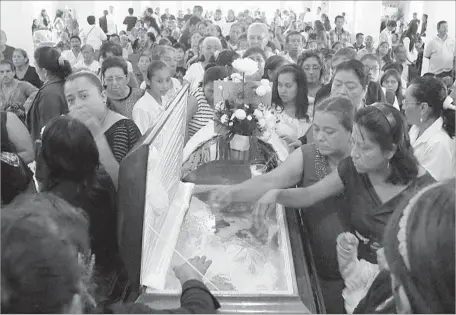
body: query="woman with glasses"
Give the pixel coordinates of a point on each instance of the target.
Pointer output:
(432, 128)
(121, 97)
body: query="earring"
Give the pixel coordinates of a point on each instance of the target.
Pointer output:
(421, 119)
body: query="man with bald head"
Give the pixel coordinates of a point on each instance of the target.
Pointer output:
(6, 52)
(257, 35)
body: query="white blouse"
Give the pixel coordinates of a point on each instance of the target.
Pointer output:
(435, 150)
(147, 112)
(194, 75)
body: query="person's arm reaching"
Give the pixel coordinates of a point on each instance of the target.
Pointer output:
(305, 197)
(285, 175)
(20, 138)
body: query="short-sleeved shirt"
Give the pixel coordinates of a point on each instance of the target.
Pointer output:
(122, 137)
(441, 54)
(367, 215)
(343, 36)
(31, 77)
(204, 112)
(130, 21)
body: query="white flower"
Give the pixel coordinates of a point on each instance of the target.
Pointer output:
(257, 113)
(246, 66)
(249, 117)
(240, 114)
(261, 90)
(225, 80)
(271, 124)
(224, 119)
(220, 87)
(261, 106)
(220, 106)
(230, 124)
(236, 77)
(266, 135)
(265, 82)
(262, 122)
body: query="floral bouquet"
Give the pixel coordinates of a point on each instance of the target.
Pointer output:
(241, 104)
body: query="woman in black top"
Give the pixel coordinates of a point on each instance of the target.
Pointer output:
(24, 71)
(68, 165)
(50, 100)
(115, 134)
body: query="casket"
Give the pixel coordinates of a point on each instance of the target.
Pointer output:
(165, 219)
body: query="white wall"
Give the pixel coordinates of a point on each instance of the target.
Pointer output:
(16, 19)
(368, 24)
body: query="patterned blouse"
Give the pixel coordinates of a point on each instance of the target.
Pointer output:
(122, 137)
(204, 112)
(125, 106)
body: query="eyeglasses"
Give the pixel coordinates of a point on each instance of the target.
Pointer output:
(116, 79)
(368, 69)
(314, 68)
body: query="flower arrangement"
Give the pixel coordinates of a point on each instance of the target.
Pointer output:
(240, 104)
(245, 119)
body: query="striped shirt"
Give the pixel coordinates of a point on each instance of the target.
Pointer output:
(204, 112)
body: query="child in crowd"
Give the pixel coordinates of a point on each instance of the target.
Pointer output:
(143, 63)
(152, 105)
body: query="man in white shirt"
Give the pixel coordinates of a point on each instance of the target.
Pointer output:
(295, 45)
(441, 52)
(93, 35)
(369, 49)
(257, 35)
(74, 55)
(222, 23)
(89, 61)
(111, 20)
(387, 33)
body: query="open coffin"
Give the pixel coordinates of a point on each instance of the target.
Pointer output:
(165, 219)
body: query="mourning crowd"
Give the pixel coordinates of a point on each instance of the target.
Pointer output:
(368, 120)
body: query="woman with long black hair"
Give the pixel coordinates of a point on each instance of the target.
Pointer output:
(68, 165)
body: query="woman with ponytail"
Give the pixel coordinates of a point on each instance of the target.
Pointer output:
(380, 173)
(68, 166)
(432, 120)
(50, 100)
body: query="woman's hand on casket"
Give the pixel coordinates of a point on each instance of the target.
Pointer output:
(265, 205)
(193, 269)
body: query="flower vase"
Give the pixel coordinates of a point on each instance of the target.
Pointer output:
(240, 143)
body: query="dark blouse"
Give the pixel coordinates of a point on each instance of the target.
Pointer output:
(100, 205)
(122, 137)
(368, 216)
(49, 102)
(31, 77)
(324, 221)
